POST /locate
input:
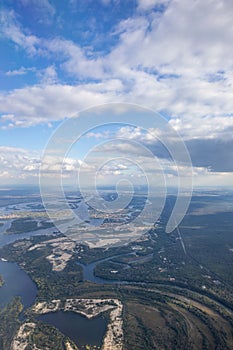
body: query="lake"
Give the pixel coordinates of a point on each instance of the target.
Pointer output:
(79, 328)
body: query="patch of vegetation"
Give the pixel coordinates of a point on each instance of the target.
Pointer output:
(163, 320)
(9, 322)
(1, 281)
(22, 225)
(26, 225)
(45, 336)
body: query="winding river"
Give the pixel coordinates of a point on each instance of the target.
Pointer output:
(89, 274)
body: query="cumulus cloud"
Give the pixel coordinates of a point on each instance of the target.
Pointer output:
(48, 75)
(11, 29)
(17, 163)
(20, 71)
(41, 104)
(75, 60)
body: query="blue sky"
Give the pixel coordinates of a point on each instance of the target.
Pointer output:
(172, 56)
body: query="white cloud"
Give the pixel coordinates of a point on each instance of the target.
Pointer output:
(48, 75)
(41, 104)
(209, 127)
(56, 165)
(21, 164)
(20, 71)
(17, 163)
(150, 135)
(75, 61)
(10, 28)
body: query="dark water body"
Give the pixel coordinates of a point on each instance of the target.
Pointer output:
(7, 239)
(16, 283)
(77, 327)
(89, 274)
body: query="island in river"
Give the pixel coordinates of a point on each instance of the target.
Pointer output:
(151, 293)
